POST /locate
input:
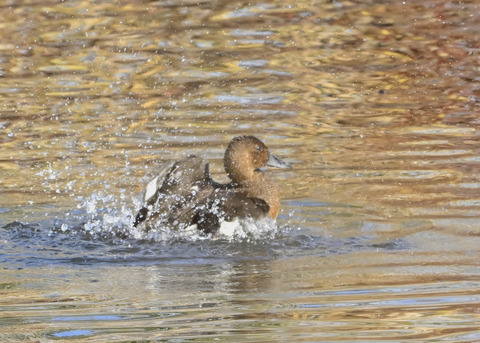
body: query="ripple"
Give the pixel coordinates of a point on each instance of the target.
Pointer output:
(431, 153)
(60, 69)
(440, 130)
(74, 333)
(250, 99)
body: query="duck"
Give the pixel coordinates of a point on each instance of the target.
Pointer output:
(183, 193)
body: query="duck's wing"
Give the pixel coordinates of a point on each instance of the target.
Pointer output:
(175, 190)
(227, 205)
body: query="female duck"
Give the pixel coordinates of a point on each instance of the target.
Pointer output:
(184, 194)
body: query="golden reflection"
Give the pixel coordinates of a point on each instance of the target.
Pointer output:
(376, 106)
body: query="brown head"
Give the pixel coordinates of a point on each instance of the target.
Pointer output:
(243, 156)
(247, 155)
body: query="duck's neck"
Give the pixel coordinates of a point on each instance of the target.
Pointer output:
(254, 178)
(262, 187)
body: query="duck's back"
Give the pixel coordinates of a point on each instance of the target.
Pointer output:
(171, 198)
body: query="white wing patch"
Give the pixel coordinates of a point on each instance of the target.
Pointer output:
(151, 189)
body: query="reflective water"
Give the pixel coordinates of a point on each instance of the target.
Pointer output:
(374, 103)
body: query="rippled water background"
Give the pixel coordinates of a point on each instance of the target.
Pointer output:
(375, 103)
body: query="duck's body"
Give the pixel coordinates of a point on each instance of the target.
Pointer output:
(184, 194)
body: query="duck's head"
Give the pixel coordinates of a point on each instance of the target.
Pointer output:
(247, 155)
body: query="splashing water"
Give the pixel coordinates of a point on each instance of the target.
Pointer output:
(99, 215)
(246, 230)
(105, 216)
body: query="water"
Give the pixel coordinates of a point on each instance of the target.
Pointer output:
(374, 103)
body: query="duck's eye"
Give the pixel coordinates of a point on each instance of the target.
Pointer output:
(259, 148)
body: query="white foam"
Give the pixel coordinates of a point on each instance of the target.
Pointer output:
(247, 229)
(228, 229)
(236, 230)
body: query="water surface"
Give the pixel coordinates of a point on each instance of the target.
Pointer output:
(373, 102)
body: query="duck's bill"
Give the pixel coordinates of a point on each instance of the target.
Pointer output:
(274, 161)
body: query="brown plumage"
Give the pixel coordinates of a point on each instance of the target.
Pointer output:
(184, 193)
